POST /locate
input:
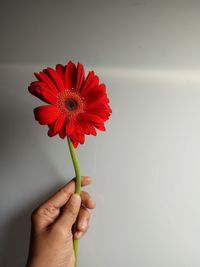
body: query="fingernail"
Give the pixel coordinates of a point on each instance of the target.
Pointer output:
(75, 199)
(78, 235)
(83, 224)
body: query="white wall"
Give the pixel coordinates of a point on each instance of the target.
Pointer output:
(146, 166)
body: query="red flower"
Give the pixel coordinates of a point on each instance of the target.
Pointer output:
(76, 105)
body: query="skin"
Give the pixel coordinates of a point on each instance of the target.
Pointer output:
(53, 228)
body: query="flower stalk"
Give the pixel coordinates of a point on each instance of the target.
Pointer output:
(77, 186)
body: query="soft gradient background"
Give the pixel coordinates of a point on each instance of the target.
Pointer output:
(146, 166)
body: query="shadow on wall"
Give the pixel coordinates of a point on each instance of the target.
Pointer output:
(20, 151)
(15, 239)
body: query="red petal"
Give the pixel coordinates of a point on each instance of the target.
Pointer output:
(78, 127)
(92, 130)
(69, 127)
(90, 117)
(46, 114)
(61, 71)
(99, 89)
(62, 132)
(70, 75)
(103, 115)
(77, 138)
(84, 126)
(88, 128)
(55, 127)
(101, 127)
(102, 87)
(95, 95)
(55, 77)
(81, 138)
(91, 82)
(40, 90)
(44, 78)
(92, 86)
(98, 107)
(51, 132)
(89, 78)
(75, 143)
(59, 123)
(80, 76)
(74, 139)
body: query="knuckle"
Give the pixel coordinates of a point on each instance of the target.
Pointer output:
(47, 211)
(64, 192)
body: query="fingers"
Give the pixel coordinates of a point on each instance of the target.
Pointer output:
(79, 234)
(87, 200)
(70, 212)
(83, 223)
(50, 209)
(62, 196)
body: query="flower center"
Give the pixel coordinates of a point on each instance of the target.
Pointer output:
(70, 103)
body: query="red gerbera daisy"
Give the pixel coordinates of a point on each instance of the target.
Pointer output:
(76, 105)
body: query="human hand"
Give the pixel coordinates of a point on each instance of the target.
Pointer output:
(52, 234)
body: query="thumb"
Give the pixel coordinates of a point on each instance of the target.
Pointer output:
(70, 211)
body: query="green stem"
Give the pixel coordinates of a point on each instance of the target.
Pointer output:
(77, 186)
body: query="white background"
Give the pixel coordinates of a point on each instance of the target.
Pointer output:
(146, 165)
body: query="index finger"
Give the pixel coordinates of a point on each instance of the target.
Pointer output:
(61, 197)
